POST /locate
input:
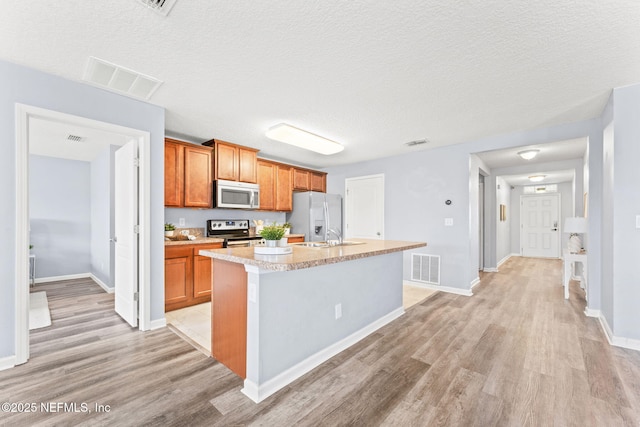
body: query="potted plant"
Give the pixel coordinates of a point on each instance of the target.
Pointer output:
(169, 229)
(287, 228)
(272, 234)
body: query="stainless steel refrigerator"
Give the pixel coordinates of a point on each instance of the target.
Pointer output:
(314, 214)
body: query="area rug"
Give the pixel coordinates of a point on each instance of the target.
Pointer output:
(39, 315)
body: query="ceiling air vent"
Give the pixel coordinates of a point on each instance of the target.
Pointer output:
(161, 6)
(74, 138)
(119, 79)
(416, 142)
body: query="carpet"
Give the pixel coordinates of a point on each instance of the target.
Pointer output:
(39, 315)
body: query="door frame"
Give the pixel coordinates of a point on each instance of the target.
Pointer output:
(24, 113)
(346, 204)
(529, 196)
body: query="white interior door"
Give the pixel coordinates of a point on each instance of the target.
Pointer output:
(539, 219)
(126, 233)
(364, 207)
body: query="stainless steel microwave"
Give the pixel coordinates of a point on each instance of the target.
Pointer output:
(236, 195)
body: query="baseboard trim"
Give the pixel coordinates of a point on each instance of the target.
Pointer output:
(589, 312)
(258, 393)
(64, 277)
(490, 270)
(457, 291)
(503, 260)
(628, 343)
(475, 282)
(7, 362)
(103, 285)
(157, 324)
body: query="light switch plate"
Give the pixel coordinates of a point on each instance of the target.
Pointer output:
(448, 222)
(181, 222)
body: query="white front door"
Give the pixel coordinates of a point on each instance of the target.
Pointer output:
(126, 233)
(364, 207)
(539, 219)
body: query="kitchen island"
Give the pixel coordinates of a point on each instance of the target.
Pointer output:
(276, 317)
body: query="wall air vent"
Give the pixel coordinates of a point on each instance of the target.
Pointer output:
(425, 268)
(74, 138)
(416, 142)
(119, 79)
(161, 6)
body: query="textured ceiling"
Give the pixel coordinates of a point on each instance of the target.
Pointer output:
(371, 75)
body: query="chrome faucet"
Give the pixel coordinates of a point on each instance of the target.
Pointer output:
(336, 232)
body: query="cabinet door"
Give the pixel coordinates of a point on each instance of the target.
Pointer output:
(198, 180)
(284, 188)
(266, 180)
(226, 162)
(247, 165)
(202, 272)
(301, 179)
(178, 277)
(318, 181)
(173, 174)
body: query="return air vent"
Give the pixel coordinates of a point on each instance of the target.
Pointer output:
(416, 142)
(119, 79)
(425, 268)
(74, 138)
(161, 6)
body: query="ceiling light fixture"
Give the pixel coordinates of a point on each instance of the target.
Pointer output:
(536, 178)
(528, 154)
(300, 138)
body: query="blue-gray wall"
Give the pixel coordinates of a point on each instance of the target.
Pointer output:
(102, 215)
(197, 218)
(60, 215)
(27, 86)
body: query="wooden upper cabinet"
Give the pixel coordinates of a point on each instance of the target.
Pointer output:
(173, 174)
(235, 163)
(284, 187)
(187, 175)
(301, 179)
(247, 170)
(267, 182)
(198, 179)
(318, 181)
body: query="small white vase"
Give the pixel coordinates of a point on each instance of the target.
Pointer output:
(169, 233)
(283, 241)
(271, 243)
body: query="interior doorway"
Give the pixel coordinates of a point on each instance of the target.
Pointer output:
(364, 207)
(539, 225)
(481, 223)
(26, 116)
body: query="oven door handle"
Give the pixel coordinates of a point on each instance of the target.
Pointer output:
(238, 243)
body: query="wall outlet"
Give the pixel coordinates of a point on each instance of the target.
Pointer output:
(448, 222)
(338, 310)
(181, 222)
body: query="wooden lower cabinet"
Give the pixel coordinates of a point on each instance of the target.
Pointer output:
(187, 276)
(229, 316)
(296, 239)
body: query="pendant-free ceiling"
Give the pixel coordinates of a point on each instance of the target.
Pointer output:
(300, 138)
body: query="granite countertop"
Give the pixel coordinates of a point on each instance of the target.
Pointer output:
(306, 257)
(202, 240)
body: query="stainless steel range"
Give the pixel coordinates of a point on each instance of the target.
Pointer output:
(235, 232)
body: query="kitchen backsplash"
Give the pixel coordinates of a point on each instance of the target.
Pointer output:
(197, 218)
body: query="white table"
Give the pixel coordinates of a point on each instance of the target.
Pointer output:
(568, 259)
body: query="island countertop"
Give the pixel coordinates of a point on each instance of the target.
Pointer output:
(307, 257)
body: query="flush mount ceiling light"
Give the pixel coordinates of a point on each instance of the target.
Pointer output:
(528, 154)
(300, 138)
(536, 178)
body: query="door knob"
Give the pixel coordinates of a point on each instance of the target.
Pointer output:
(378, 233)
(115, 239)
(554, 229)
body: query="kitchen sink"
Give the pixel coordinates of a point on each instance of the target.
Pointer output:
(326, 244)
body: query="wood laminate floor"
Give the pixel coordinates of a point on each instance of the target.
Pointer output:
(516, 353)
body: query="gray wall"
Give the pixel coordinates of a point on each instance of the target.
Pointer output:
(60, 215)
(418, 183)
(102, 215)
(24, 85)
(503, 228)
(197, 218)
(622, 188)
